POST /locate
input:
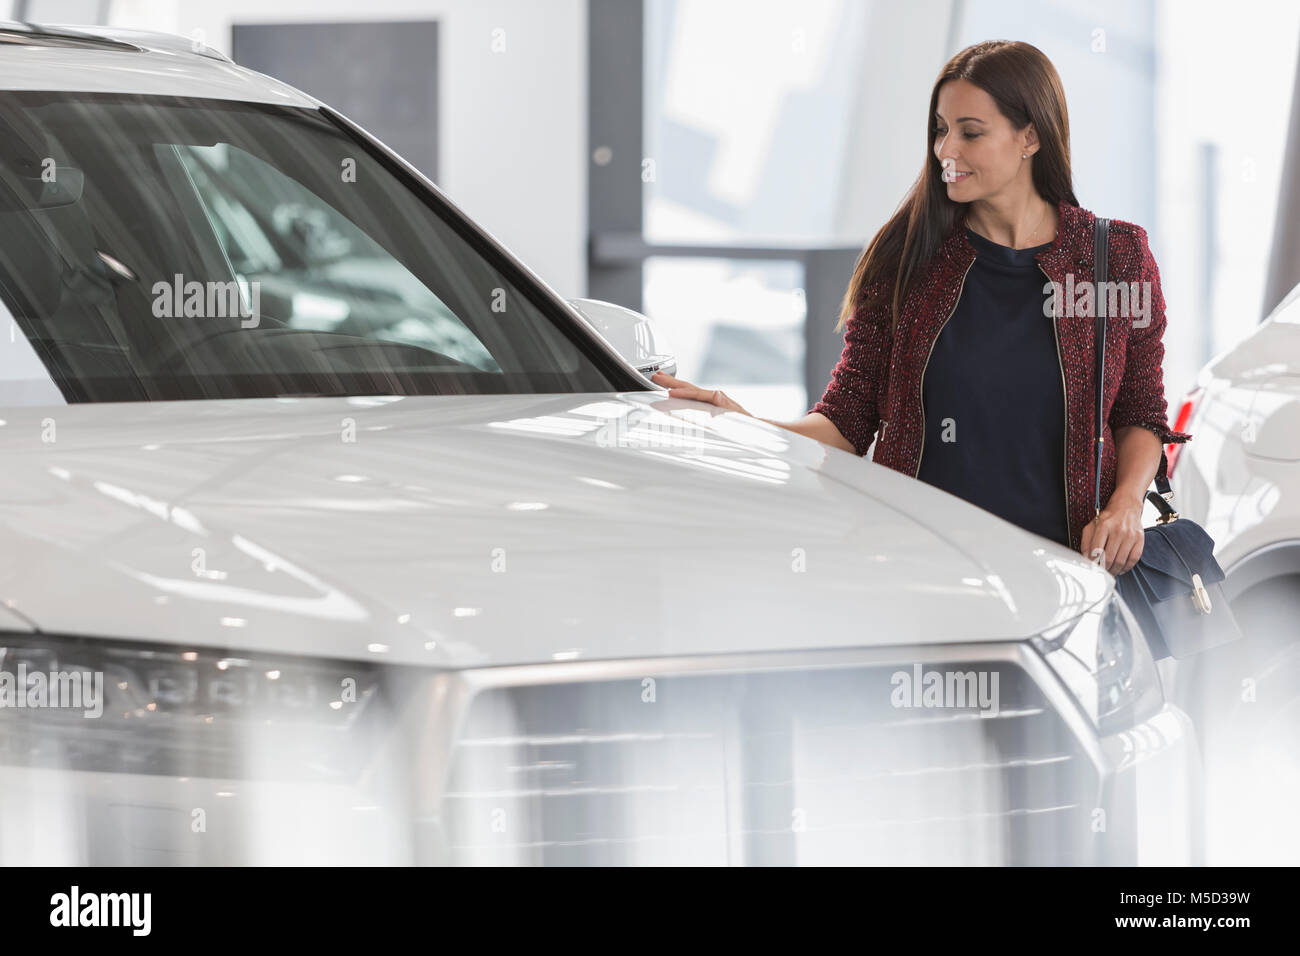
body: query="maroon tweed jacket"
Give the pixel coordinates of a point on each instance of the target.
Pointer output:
(877, 382)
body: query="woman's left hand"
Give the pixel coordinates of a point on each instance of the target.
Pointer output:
(1114, 538)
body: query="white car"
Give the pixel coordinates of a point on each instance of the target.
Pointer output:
(1240, 479)
(330, 534)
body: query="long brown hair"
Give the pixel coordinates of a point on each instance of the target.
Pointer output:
(1026, 88)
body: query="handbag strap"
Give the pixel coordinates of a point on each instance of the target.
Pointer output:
(1100, 269)
(1101, 272)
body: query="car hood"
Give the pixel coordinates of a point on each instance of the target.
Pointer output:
(470, 531)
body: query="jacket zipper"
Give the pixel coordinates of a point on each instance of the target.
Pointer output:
(921, 390)
(1065, 401)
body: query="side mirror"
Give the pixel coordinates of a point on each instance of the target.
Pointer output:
(631, 334)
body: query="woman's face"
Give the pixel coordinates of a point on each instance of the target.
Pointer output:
(976, 145)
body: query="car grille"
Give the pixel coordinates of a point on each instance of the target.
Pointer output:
(813, 765)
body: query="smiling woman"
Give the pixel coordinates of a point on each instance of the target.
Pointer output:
(959, 361)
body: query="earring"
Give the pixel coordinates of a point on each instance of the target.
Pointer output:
(1024, 155)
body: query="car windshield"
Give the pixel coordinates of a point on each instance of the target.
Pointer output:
(160, 248)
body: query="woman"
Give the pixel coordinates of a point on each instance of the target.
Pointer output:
(959, 359)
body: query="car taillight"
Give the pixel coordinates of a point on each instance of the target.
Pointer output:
(1180, 423)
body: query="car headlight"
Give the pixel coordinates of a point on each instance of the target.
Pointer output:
(1104, 660)
(99, 705)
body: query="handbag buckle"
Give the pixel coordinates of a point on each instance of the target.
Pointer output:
(1200, 596)
(1165, 519)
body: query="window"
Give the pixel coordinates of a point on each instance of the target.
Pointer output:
(163, 248)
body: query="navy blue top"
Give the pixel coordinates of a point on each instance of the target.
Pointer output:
(993, 390)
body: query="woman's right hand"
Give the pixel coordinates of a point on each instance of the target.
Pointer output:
(679, 389)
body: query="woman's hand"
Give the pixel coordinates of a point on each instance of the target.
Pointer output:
(1117, 534)
(679, 389)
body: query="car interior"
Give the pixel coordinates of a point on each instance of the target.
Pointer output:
(113, 242)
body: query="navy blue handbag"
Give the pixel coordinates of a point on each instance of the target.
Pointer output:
(1176, 588)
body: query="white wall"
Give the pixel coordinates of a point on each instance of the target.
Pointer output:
(907, 46)
(1225, 78)
(512, 126)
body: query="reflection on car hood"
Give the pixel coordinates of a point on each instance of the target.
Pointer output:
(482, 530)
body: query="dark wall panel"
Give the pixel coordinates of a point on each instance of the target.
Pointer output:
(382, 75)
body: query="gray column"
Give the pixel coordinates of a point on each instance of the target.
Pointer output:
(616, 75)
(1284, 258)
